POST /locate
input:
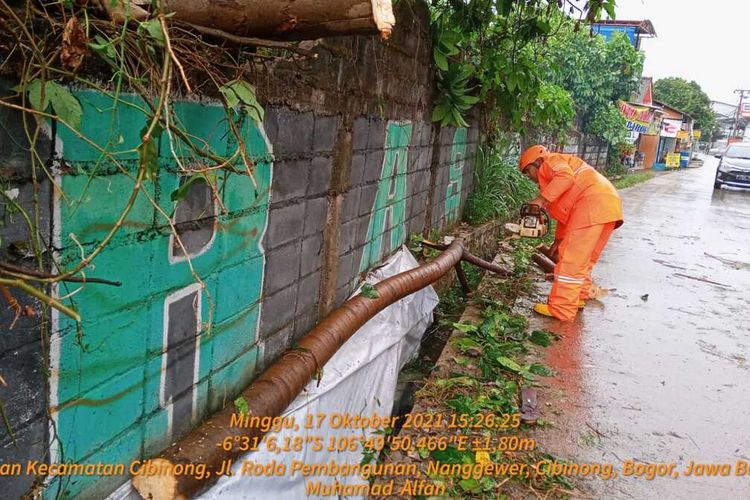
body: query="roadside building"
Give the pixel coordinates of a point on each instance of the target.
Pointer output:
(673, 146)
(640, 112)
(643, 119)
(634, 30)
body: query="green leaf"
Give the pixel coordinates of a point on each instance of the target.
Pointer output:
(153, 28)
(241, 95)
(35, 95)
(464, 327)
(452, 455)
(66, 106)
(509, 364)
(461, 361)
(232, 100)
(181, 192)
(469, 99)
(609, 6)
(440, 60)
(540, 369)
(466, 343)
(541, 337)
(470, 485)
(148, 152)
(369, 291)
(103, 47)
(504, 6)
(241, 404)
(439, 112)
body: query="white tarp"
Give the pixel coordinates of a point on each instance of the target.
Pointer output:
(360, 379)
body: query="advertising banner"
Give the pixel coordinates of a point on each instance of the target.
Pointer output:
(673, 160)
(638, 117)
(655, 127)
(670, 127)
(745, 109)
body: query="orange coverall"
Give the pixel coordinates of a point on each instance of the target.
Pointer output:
(587, 209)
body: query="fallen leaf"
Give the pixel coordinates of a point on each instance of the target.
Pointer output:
(369, 291)
(541, 337)
(241, 405)
(74, 44)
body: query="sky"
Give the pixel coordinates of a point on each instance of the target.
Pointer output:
(697, 40)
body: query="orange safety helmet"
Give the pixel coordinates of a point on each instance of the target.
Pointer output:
(532, 154)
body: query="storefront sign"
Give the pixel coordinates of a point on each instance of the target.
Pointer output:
(683, 134)
(696, 134)
(655, 127)
(638, 118)
(673, 160)
(745, 109)
(670, 127)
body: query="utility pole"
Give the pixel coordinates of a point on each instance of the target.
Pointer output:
(743, 93)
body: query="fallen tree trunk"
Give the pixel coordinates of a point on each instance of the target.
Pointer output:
(544, 262)
(288, 19)
(277, 387)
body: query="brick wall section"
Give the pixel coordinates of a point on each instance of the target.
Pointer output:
(22, 356)
(440, 219)
(594, 151)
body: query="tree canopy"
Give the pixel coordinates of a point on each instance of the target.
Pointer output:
(532, 66)
(688, 97)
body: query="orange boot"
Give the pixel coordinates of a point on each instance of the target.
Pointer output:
(573, 268)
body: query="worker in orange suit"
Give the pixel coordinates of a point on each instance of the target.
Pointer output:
(587, 209)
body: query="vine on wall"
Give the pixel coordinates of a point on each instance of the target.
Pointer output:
(48, 48)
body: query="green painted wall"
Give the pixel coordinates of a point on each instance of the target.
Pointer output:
(456, 173)
(109, 378)
(389, 209)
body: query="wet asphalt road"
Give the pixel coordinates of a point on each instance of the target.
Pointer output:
(659, 371)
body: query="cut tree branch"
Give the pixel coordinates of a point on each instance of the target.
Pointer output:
(255, 42)
(24, 273)
(288, 19)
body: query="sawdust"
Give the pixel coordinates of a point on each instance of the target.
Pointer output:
(598, 292)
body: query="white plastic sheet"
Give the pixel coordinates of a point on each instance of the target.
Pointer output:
(360, 379)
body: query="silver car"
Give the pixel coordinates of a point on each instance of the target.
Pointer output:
(718, 148)
(734, 166)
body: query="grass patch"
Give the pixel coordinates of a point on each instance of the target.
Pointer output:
(499, 188)
(629, 180)
(484, 387)
(489, 368)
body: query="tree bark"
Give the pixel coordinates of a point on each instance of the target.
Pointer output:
(288, 19)
(276, 388)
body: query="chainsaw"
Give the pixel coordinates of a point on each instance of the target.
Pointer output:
(534, 222)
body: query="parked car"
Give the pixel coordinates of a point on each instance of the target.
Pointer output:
(734, 166)
(718, 148)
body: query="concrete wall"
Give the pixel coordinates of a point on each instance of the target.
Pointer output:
(23, 359)
(347, 166)
(594, 151)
